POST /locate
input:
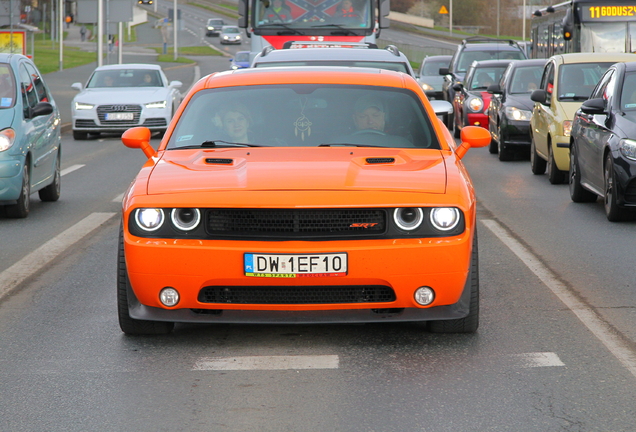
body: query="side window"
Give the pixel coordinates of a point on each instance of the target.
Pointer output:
(29, 96)
(40, 88)
(608, 93)
(602, 85)
(547, 81)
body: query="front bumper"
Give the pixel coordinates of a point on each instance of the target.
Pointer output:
(516, 133)
(401, 264)
(10, 180)
(93, 120)
(477, 119)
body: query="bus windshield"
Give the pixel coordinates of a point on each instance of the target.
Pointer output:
(310, 14)
(603, 37)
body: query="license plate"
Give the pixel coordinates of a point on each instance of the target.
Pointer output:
(295, 265)
(120, 116)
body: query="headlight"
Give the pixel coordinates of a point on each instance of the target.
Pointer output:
(7, 137)
(149, 219)
(226, 37)
(445, 218)
(83, 106)
(514, 113)
(159, 104)
(185, 219)
(210, 28)
(427, 87)
(567, 127)
(238, 36)
(475, 104)
(628, 148)
(409, 218)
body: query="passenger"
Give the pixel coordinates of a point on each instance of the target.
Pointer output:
(483, 81)
(109, 81)
(276, 11)
(345, 10)
(148, 81)
(236, 121)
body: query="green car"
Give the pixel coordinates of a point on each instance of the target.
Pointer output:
(29, 136)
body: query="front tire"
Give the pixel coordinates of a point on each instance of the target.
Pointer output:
(613, 212)
(555, 175)
(127, 324)
(578, 193)
(537, 164)
(20, 209)
(469, 323)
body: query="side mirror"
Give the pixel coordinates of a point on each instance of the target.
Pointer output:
(593, 106)
(175, 84)
(42, 108)
(444, 71)
(472, 136)
(457, 87)
(442, 107)
(539, 96)
(139, 137)
(77, 86)
(231, 59)
(494, 89)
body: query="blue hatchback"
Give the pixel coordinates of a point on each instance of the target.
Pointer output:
(29, 136)
(241, 60)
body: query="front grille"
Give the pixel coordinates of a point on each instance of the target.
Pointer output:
(297, 294)
(630, 192)
(103, 109)
(295, 223)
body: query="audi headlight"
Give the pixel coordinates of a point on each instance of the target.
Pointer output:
(628, 148)
(185, 219)
(567, 127)
(149, 219)
(514, 113)
(226, 37)
(158, 104)
(7, 137)
(445, 218)
(83, 106)
(475, 104)
(427, 87)
(409, 218)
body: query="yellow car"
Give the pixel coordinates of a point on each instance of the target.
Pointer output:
(567, 81)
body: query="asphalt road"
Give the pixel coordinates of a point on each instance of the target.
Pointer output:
(555, 350)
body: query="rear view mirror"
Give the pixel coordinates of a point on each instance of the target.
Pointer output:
(539, 96)
(494, 89)
(77, 86)
(593, 106)
(444, 71)
(457, 87)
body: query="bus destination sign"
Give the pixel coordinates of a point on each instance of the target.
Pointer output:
(608, 13)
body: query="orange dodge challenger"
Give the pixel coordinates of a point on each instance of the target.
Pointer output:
(304, 195)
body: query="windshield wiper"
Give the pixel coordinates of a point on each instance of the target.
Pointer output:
(285, 26)
(574, 98)
(344, 31)
(216, 143)
(349, 145)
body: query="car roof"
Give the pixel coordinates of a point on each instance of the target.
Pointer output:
(503, 46)
(529, 62)
(595, 57)
(630, 66)
(128, 66)
(371, 54)
(490, 63)
(229, 27)
(438, 58)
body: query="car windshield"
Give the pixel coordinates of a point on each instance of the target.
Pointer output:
(394, 66)
(304, 115)
(526, 79)
(483, 77)
(305, 14)
(577, 80)
(231, 30)
(242, 56)
(431, 67)
(125, 78)
(628, 95)
(213, 22)
(469, 57)
(7, 87)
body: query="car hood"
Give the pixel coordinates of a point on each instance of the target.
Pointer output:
(122, 95)
(6, 117)
(521, 101)
(298, 169)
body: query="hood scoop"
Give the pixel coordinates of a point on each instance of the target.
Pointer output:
(219, 161)
(380, 160)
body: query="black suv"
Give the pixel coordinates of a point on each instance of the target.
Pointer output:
(475, 49)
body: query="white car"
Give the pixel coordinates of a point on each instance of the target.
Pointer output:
(118, 97)
(230, 35)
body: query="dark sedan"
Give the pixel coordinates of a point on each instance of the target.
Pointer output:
(429, 77)
(471, 98)
(510, 108)
(603, 144)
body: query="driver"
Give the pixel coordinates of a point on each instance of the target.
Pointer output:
(369, 114)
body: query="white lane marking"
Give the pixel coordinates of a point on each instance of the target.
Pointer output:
(584, 313)
(39, 258)
(119, 198)
(267, 363)
(71, 169)
(538, 359)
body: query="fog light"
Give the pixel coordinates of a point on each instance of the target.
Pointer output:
(424, 295)
(169, 296)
